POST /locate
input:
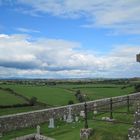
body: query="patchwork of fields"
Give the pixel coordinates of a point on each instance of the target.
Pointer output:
(58, 95)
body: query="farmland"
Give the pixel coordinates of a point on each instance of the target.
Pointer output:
(9, 99)
(59, 94)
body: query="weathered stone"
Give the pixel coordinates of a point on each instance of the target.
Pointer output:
(85, 133)
(134, 133)
(51, 123)
(69, 118)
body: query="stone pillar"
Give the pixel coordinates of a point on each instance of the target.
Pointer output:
(134, 133)
(86, 132)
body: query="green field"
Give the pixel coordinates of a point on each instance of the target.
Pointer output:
(60, 94)
(49, 95)
(8, 99)
(99, 93)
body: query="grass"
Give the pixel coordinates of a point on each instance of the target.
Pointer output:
(9, 99)
(50, 95)
(98, 93)
(60, 94)
(64, 131)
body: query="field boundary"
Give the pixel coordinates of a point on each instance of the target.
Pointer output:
(32, 118)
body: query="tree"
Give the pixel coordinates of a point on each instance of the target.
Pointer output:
(33, 101)
(137, 88)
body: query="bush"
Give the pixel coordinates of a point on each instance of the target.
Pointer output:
(33, 101)
(79, 96)
(70, 102)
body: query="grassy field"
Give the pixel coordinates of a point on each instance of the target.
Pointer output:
(8, 99)
(60, 94)
(98, 93)
(64, 131)
(50, 95)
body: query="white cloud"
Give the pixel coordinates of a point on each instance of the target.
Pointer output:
(121, 15)
(25, 30)
(49, 58)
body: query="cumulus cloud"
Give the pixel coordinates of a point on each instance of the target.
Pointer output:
(20, 55)
(122, 15)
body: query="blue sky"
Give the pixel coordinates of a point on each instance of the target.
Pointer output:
(69, 38)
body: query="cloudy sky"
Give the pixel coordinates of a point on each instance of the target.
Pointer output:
(69, 38)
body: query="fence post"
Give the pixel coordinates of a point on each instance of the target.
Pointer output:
(128, 110)
(111, 107)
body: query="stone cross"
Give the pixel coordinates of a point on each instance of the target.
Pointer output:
(138, 57)
(51, 123)
(69, 118)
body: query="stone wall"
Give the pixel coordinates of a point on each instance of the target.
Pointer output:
(31, 119)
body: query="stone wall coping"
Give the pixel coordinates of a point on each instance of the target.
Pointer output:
(61, 107)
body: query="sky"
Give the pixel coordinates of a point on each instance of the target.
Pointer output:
(69, 38)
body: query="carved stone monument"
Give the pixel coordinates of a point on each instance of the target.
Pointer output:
(69, 118)
(138, 57)
(64, 117)
(134, 133)
(51, 123)
(86, 132)
(76, 119)
(95, 109)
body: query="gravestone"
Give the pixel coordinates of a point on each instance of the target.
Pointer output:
(76, 119)
(38, 130)
(69, 118)
(51, 123)
(82, 113)
(64, 117)
(95, 109)
(134, 133)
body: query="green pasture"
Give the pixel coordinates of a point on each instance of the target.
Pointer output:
(61, 94)
(9, 99)
(58, 95)
(105, 92)
(47, 94)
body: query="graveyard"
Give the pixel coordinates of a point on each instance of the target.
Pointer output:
(70, 131)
